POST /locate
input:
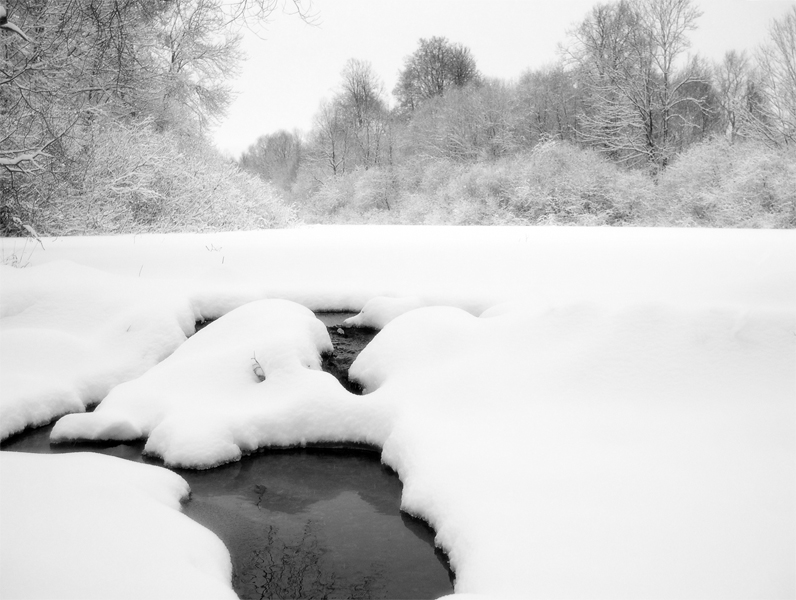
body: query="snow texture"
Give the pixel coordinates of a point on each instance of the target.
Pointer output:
(204, 405)
(577, 412)
(70, 333)
(583, 451)
(86, 526)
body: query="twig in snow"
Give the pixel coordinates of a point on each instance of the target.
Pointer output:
(257, 368)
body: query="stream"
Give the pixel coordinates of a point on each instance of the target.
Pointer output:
(304, 523)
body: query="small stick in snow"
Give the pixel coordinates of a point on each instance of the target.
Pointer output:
(257, 368)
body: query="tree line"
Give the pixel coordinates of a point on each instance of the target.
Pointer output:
(627, 86)
(105, 107)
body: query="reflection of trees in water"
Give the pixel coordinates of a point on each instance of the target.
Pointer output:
(277, 569)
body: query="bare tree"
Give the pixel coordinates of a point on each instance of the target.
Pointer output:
(275, 158)
(197, 57)
(698, 116)
(608, 46)
(668, 23)
(627, 54)
(547, 105)
(732, 79)
(777, 83)
(362, 99)
(331, 140)
(465, 124)
(435, 67)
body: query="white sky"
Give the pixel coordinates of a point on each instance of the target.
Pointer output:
(288, 73)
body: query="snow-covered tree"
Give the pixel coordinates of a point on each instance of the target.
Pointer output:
(547, 105)
(274, 157)
(627, 57)
(362, 101)
(777, 82)
(94, 62)
(435, 67)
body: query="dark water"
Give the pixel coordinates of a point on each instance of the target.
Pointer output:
(317, 524)
(304, 523)
(347, 345)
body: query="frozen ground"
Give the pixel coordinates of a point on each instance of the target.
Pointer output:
(577, 412)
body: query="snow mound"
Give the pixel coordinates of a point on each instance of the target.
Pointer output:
(204, 405)
(89, 526)
(69, 333)
(582, 451)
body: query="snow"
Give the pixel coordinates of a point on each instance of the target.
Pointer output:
(89, 526)
(342, 267)
(577, 412)
(380, 310)
(623, 452)
(70, 333)
(204, 405)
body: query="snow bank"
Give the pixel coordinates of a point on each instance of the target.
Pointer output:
(89, 526)
(69, 333)
(204, 405)
(580, 451)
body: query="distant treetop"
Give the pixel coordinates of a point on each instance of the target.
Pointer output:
(436, 66)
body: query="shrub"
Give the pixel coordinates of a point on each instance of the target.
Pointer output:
(131, 179)
(563, 184)
(557, 183)
(718, 184)
(712, 184)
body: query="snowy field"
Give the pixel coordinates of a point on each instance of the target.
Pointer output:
(595, 413)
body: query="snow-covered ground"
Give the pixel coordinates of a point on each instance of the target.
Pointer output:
(87, 526)
(577, 412)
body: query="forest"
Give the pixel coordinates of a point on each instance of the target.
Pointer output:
(106, 105)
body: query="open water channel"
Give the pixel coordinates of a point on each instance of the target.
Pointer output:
(304, 523)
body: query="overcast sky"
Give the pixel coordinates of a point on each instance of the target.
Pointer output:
(295, 66)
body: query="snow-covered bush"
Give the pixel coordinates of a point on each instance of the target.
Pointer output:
(358, 196)
(374, 189)
(133, 179)
(717, 184)
(712, 184)
(328, 199)
(557, 183)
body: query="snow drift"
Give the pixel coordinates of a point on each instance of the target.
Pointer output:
(87, 526)
(584, 451)
(71, 333)
(204, 405)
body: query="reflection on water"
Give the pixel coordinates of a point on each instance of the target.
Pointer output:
(317, 524)
(314, 523)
